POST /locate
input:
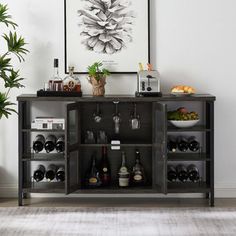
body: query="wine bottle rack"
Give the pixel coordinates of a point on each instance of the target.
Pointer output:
(150, 139)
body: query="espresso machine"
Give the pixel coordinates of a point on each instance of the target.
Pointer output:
(148, 82)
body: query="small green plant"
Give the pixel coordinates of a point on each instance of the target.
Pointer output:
(97, 72)
(10, 76)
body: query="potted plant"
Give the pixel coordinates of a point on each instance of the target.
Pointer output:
(10, 76)
(97, 78)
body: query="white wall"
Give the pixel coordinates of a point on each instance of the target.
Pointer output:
(193, 42)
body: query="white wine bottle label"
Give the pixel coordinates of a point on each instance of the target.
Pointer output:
(123, 182)
(138, 177)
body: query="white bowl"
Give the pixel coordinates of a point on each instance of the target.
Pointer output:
(183, 123)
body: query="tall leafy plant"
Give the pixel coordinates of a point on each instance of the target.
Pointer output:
(10, 76)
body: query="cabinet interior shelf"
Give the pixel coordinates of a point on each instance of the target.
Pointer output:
(197, 128)
(116, 189)
(188, 157)
(43, 157)
(188, 187)
(44, 130)
(45, 187)
(117, 145)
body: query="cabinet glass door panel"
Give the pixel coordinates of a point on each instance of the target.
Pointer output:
(72, 172)
(159, 149)
(72, 127)
(72, 148)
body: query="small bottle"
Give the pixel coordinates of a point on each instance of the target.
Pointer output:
(60, 144)
(172, 144)
(71, 82)
(182, 144)
(193, 173)
(182, 173)
(93, 179)
(38, 143)
(193, 144)
(124, 174)
(55, 84)
(50, 143)
(51, 172)
(171, 173)
(39, 173)
(105, 170)
(138, 175)
(60, 174)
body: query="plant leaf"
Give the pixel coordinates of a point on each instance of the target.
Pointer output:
(12, 80)
(5, 106)
(16, 45)
(5, 18)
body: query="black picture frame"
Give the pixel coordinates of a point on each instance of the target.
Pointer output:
(112, 72)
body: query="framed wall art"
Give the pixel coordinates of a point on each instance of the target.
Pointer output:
(114, 32)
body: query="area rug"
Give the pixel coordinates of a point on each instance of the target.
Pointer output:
(60, 221)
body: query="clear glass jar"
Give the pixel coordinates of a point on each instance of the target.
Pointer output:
(71, 82)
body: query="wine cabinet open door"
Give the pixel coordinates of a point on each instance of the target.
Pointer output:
(160, 147)
(73, 140)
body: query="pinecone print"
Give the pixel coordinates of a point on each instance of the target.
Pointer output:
(106, 25)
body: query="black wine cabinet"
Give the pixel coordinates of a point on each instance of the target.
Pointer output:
(151, 139)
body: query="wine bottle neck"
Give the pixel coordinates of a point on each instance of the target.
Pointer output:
(123, 160)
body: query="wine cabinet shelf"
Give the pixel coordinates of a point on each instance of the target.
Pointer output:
(188, 187)
(117, 190)
(118, 145)
(150, 139)
(43, 157)
(45, 187)
(198, 128)
(188, 157)
(43, 130)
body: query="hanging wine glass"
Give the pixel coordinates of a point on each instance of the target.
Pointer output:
(97, 116)
(135, 119)
(116, 119)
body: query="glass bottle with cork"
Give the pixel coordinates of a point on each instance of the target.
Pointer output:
(71, 82)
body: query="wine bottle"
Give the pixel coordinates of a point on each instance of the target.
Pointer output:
(38, 143)
(56, 82)
(60, 174)
(172, 144)
(171, 173)
(93, 179)
(138, 175)
(51, 172)
(39, 173)
(182, 173)
(60, 144)
(182, 144)
(124, 174)
(105, 170)
(193, 173)
(50, 143)
(193, 144)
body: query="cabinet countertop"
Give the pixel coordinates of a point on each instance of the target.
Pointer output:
(121, 98)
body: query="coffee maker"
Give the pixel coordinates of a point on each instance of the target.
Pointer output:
(148, 82)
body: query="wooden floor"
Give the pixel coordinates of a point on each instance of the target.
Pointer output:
(111, 202)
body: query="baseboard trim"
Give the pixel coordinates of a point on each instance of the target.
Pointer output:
(221, 191)
(8, 191)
